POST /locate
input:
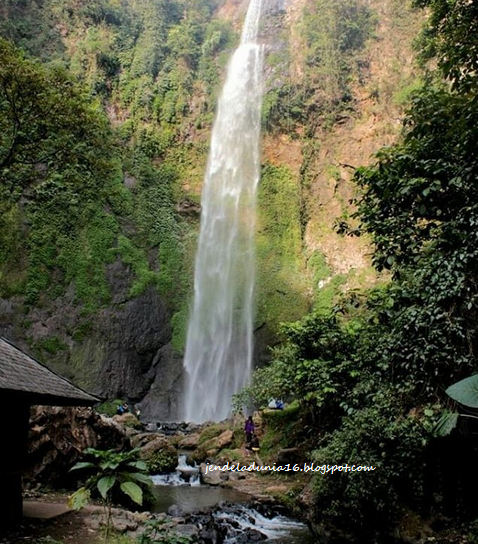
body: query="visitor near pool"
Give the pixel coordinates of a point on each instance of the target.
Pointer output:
(249, 429)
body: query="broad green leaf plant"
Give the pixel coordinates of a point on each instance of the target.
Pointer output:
(111, 474)
(464, 392)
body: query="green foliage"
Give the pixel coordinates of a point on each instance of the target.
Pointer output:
(402, 96)
(282, 429)
(147, 61)
(161, 461)
(47, 540)
(465, 391)
(50, 345)
(379, 434)
(369, 376)
(447, 422)
(281, 290)
(283, 108)
(315, 366)
(83, 330)
(109, 408)
(211, 431)
(56, 153)
(333, 32)
(419, 204)
(449, 37)
(112, 474)
(135, 258)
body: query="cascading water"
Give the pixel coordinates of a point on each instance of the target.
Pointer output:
(219, 342)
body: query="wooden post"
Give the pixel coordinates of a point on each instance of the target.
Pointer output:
(13, 455)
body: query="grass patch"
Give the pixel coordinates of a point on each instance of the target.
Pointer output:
(212, 431)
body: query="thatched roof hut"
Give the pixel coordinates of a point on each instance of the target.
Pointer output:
(25, 382)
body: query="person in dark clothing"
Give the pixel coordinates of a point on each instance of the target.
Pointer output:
(249, 429)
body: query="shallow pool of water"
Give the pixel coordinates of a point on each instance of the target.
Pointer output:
(193, 498)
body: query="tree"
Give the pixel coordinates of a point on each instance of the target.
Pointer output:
(44, 118)
(451, 37)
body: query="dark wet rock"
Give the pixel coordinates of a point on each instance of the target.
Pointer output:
(162, 401)
(136, 331)
(175, 511)
(187, 207)
(212, 532)
(269, 508)
(249, 536)
(122, 351)
(289, 456)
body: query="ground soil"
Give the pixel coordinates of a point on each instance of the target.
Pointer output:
(69, 528)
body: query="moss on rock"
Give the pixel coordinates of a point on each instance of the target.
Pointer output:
(160, 456)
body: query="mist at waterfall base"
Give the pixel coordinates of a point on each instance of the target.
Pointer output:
(219, 343)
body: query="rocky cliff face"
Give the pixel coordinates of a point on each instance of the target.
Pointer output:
(58, 438)
(125, 349)
(122, 351)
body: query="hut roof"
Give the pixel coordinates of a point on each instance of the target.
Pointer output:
(25, 379)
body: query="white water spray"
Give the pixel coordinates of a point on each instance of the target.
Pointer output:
(219, 344)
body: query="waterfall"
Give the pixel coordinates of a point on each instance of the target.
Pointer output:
(219, 343)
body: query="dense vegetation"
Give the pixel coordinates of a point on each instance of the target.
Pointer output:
(370, 375)
(144, 78)
(96, 145)
(332, 34)
(104, 115)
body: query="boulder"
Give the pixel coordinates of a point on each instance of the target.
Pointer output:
(130, 432)
(212, 532)
(187, 530)
(215, 477)
(199, 455)
(219, 442)
(224, 440)
(289, 455)
(58, 438)
(159, 455)
(175, 511)
(141, 439)
(128, 420)
(211, 454)
(189, 442)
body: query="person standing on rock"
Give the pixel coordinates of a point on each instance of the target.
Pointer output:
(249, 429)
